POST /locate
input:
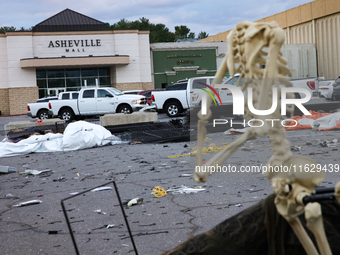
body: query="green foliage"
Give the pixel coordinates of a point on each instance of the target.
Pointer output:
(13, 29)
(182, 31)
(202, 35)
(158, 32)
(191, 35)
(7, 29)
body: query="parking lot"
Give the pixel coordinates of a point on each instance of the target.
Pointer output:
(157, 223)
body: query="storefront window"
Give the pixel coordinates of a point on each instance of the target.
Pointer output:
(89, 72)
(104, 71)
(55, 74)
(105, 81)
(71, 79)
(89, 81)
(72, 72)
(42, 84)
(41, 74)
(42, 93)
(73, 82)
(56, 83)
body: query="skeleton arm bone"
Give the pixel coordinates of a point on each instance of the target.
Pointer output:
(203, 119)
(223, 155)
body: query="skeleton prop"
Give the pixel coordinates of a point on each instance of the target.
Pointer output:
(250, 47)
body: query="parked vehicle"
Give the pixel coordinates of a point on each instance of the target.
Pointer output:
(46, 99)
(147, 94)
(40, 108)
(174, 102)
(131, 92)
(96, 101)
(177, 86)
(336, 89)
(326, 88)
(312, 84)
(68, 95)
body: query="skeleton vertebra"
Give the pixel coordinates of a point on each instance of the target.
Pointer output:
(246, 55)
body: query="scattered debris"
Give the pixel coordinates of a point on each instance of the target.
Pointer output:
(9, 195)
(110, 226)
(238, 205)
(185, 189)
(99, 211)
(31, 202)
(157, 132)
(135, 201)
(233, 131)
(323, 144)
(60, 179)
(252, 190)
(7, 169)
(295, 148)
(331, 145)
(102, 189)
(36, 172)
(185, 175)
(158, 191)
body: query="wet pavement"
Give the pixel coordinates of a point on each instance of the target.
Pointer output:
(158, 223)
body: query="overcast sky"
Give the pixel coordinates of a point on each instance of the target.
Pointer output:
(211, 16)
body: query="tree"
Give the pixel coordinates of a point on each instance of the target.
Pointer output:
(7, 29)
(158, 32)
(122, 24)
(13, 29)
(202, 35)
(182, 31)
(191, 35)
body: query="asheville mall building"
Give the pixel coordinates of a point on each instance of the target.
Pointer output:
(64, 53)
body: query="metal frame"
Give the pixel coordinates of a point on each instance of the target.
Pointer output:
(121, 207)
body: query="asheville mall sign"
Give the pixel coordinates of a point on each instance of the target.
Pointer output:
(74, 45)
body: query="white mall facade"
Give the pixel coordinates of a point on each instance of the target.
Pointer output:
(37, 64)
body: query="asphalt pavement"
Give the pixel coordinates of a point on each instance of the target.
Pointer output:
(157, 223)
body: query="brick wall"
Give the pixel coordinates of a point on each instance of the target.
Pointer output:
(4, 101)
(133, 86)
(20, 97)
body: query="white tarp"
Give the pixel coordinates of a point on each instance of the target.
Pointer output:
(318, 121)
(77, 135)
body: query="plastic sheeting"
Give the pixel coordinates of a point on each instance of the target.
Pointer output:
(318, 121)
(77, 135)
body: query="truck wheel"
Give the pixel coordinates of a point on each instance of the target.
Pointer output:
(173, 109)
(124, 109)
(67, 115)
(43, 114)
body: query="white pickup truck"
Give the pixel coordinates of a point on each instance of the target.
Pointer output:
(96, 101)
(40, 108)
(174, 102)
